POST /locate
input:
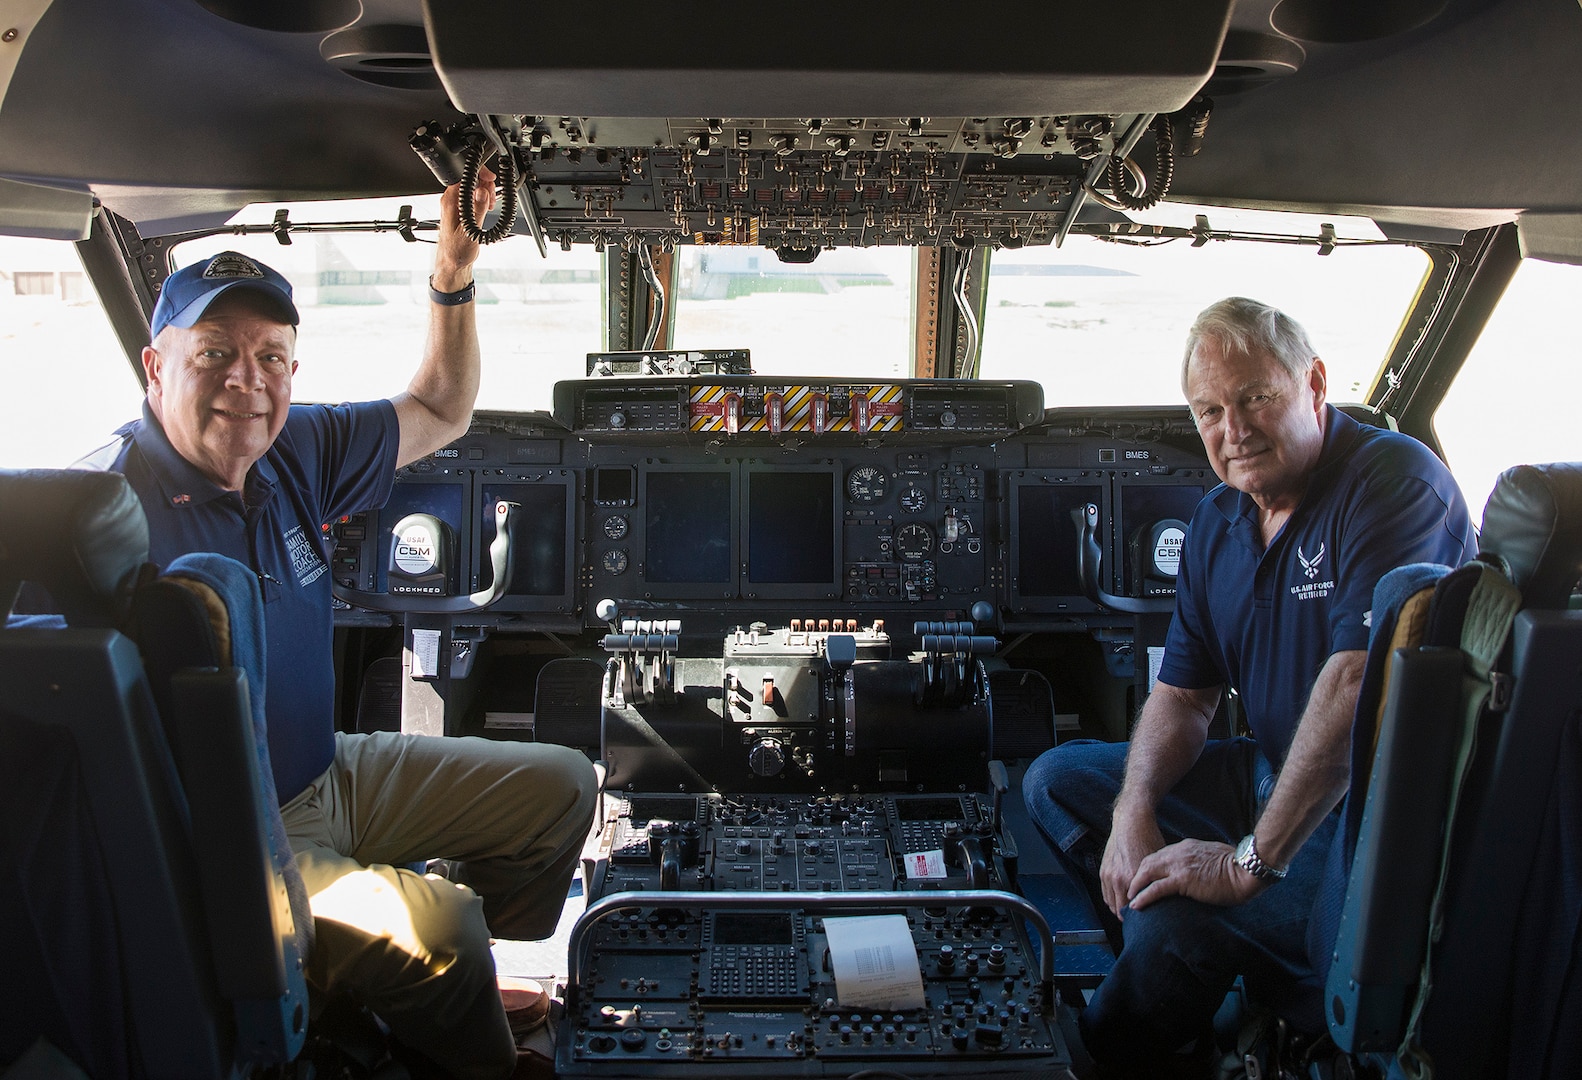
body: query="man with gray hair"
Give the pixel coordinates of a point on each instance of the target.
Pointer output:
(1202, 855)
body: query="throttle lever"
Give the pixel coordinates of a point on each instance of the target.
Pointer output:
(999, 783)
(674, 847)
(974, 860)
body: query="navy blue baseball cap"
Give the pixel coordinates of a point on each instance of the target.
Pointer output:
(189, 291)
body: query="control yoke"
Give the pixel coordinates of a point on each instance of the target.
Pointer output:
(1090, 557)
(502, 558)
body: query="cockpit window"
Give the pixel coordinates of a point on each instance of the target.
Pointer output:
(845, 313)
(1098, 322)
(1515, 398)
(363, 298)
(1103, 323)
(67, 382)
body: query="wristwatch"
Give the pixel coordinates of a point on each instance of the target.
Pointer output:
(463, 295)
(1248, 859)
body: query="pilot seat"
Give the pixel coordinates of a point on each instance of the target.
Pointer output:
(151, 919)
(1452, 933)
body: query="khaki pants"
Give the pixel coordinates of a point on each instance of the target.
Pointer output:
(414, 948)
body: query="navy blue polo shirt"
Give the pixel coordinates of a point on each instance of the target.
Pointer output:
(1265, 621)
(327, 461)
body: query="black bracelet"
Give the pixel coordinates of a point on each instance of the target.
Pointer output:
(463, 295)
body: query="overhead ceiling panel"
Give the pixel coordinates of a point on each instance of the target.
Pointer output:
(824, 57)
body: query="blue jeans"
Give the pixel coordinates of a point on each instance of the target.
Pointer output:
(1179, 957)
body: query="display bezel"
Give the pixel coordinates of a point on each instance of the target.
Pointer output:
(643, 540)
(402, 501)
(826, 587)
(1130, 492)
(563, 598)
(1044, 480)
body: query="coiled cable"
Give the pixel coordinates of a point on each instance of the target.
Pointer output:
(1148, 194)
(1104, 199)
(505, 187)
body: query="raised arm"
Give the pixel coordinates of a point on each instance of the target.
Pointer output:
(437, 405)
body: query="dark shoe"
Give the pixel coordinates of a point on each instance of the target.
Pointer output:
(526, 1003)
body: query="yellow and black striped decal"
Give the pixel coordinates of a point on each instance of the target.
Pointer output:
(842, 408)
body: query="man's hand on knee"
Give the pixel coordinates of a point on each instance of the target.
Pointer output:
(1201, 869)
(1133, 838)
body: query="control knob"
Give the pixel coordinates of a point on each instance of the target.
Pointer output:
(766, 758)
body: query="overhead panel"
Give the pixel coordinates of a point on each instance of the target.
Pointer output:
(804, 184)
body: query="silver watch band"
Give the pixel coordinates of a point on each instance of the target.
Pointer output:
(1248, 859)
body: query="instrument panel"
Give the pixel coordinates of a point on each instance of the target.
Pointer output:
(780, 605)
(705, 944)
(798, 500)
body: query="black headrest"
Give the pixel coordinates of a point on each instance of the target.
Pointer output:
(81, 535)
(1533, 524)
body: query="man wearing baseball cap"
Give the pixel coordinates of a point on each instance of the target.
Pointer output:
(223, 462)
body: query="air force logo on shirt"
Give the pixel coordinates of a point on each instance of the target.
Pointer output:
(1312, 566)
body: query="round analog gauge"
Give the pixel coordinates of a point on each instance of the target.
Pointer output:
(614, 561)
(615, 526)
(867, 484)
(913, 499)
(914, 542)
